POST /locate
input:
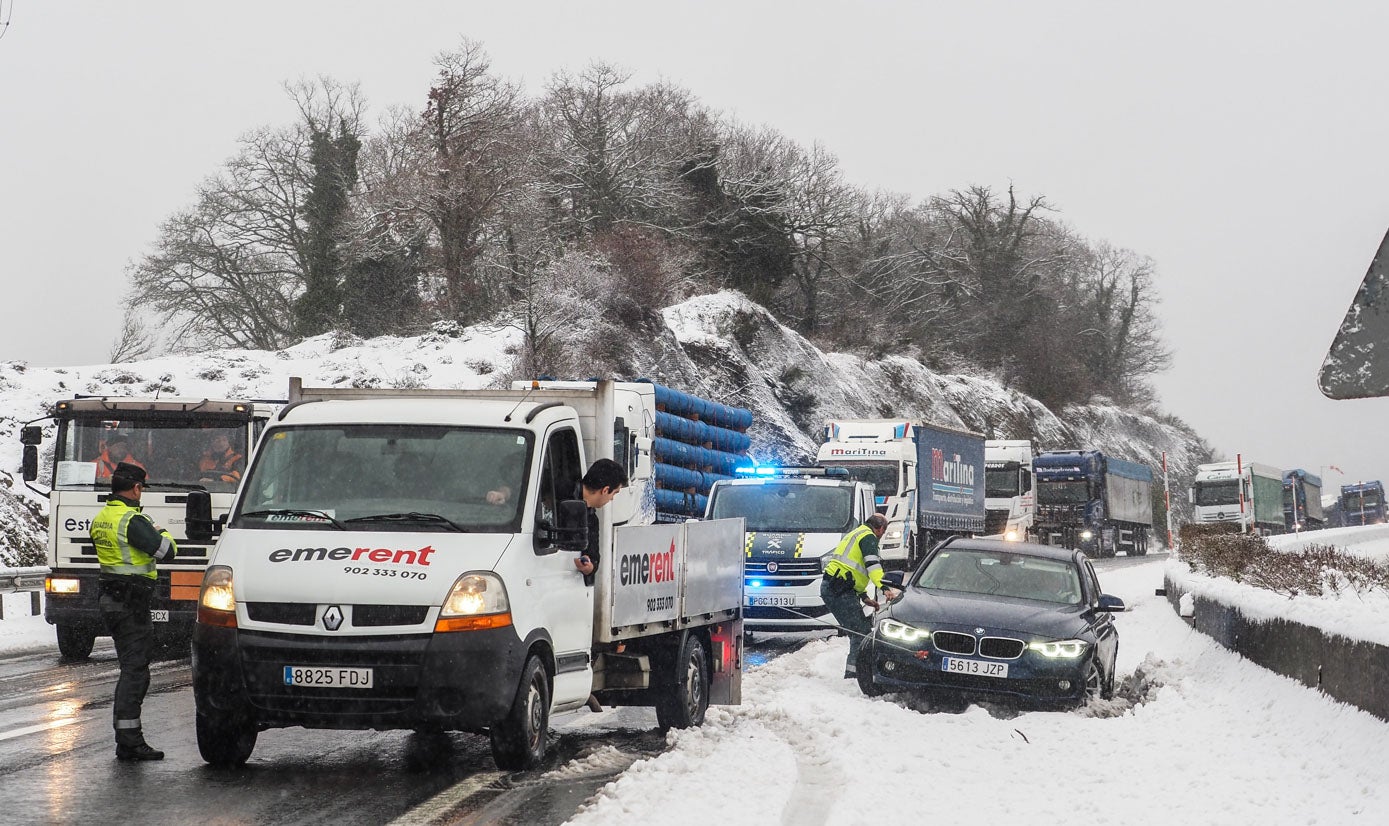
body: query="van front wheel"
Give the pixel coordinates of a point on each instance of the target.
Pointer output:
(518, 741)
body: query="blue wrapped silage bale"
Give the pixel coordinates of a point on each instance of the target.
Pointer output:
(711, 412)
(673, 501)
(692, 432)
(679, 478)
(672, 452)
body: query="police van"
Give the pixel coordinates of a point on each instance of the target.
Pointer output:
(405, 559)
(795, 516)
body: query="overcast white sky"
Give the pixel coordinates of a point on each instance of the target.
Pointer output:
(1241, 145)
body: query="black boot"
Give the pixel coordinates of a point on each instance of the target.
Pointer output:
(141, 752)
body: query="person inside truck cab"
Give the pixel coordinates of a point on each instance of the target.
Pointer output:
(605, 478)
(220, 462)
(117, 450)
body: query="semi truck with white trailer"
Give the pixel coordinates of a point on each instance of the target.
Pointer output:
(1092, 502)
(1009, 503)
(1246, 496)
(168, 437)
(373, 575)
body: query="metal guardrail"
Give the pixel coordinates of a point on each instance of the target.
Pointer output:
(17, 580)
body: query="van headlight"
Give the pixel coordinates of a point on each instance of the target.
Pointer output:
(216, 599)
(476, 601)
(1012, 535)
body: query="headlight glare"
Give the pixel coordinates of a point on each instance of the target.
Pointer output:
(1012, 535)
(56, 585)
(1060, 649)
(1087, 534)
(894, 630)
(474, 594)
(217, 599)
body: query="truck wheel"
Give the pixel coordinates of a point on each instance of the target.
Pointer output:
(518, 740)
(225, 740)
(75, 642)
(683, 702)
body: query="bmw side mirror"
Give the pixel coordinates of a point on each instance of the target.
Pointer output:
(894, 579)
(1111, 604)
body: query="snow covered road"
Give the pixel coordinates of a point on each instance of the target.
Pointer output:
(1195, 735)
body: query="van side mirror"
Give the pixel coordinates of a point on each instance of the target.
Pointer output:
(198, 523)
(570, 531)
(31, 435)
(30, 467)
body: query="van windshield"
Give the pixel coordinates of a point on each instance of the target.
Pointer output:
(787, 508)
(472, 477)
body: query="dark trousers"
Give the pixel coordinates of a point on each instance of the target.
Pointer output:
(842, 600)
(125, 605)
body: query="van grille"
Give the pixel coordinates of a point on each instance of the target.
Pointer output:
(282, 613)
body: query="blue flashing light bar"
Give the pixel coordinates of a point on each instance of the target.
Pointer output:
(754, 583)
(773, 470)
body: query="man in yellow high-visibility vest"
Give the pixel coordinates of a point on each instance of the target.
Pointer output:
(853, 564)
(128, 544)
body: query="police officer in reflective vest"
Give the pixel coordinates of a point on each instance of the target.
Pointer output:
(852, 565)
(128, 544)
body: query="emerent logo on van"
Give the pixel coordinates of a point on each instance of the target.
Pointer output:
(646, 568)
(381, 556)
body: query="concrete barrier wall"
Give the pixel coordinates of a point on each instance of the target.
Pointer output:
(1348, 670)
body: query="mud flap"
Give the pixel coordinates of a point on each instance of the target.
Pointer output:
(726, 652)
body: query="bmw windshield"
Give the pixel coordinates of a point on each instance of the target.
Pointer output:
(388, 478)
(1002, 574)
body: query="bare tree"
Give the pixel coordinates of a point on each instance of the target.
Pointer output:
(135, 339)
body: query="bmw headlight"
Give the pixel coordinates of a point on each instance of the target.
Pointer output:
(894, 630)
(1060, 649)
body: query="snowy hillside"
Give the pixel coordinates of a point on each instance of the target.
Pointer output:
(719, 345)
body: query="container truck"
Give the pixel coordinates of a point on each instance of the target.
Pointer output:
(881, 452)
(1009, 503)
(950, 485)
(1302, 510)
(169, 437)
(1092, 502)
(1362, 503)
(794, 517)
(372, 574)
(1247, 496)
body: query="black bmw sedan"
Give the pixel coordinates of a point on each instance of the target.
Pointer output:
(989, 618)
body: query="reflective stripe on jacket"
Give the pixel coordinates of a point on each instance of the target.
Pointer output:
(110, 533)
(848, 557)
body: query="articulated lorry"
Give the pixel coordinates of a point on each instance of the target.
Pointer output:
(1362, 503)
(928, 480)
(881, 452)
(1010, 506)
(1093, 502)
(405, 559)
(794, 516)
(173, 439)
(1302, 510)
(1246, 496)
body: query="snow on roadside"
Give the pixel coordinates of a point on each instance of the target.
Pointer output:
(21, 631)
(1205, 738)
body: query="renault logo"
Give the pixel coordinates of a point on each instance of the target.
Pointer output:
(332, 618)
